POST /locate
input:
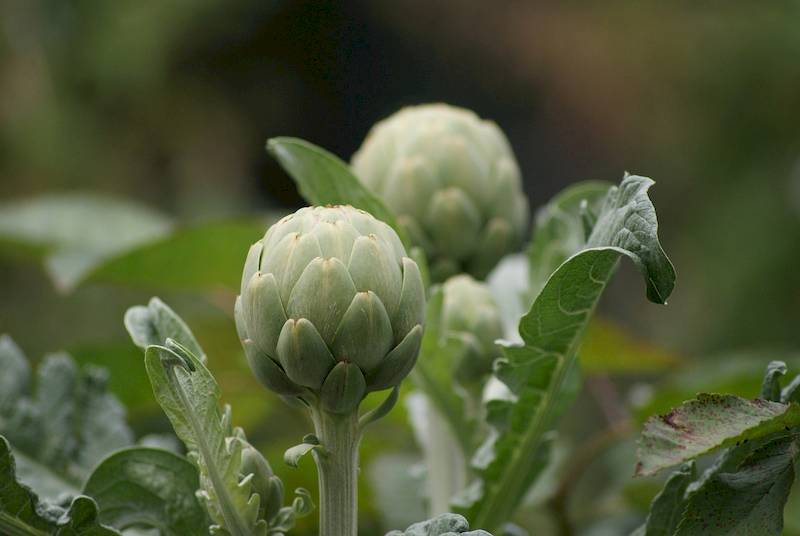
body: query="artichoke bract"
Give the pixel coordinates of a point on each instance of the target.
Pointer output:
(330, 305)
(453, 182)
(470, 312)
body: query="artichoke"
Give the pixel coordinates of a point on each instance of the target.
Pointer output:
(453, 182)
(330, 306)
(470, 313)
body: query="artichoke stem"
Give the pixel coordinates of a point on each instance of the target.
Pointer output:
(337, 470)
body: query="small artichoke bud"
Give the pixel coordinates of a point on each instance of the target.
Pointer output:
(262, 481)
(330, 304)
(453, 182)
(470, 312)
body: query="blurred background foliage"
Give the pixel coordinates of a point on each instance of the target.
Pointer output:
(132, 164)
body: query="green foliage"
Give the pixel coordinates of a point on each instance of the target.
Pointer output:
(189, 395)
(148, 488)
(76, 232)
(536, 372)
(745, 490)
(63, 427)
(208, 256)
(23, 514)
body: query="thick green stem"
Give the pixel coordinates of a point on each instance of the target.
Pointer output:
(337, 468)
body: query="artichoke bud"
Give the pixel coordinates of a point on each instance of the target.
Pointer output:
(470, 313)
(274, 499)
(329, 298)
(454, 183)
(253, 463)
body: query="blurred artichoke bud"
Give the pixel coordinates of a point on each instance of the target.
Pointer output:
(330, 304)
(453, 182)
(263, 481)
(470, 312)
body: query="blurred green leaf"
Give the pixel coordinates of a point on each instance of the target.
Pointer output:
(552, 330)
(706, 424)
(609, 348)
(148, 488)
(76, 232)
(323, 179)
(207, 256)
(735, 373)
(22, 513)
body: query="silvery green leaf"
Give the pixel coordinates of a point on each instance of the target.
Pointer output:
(293, 454)
(770, 386)
(155, 323)
(442, 525)
(64, 428)
(23, 513)
(536, 372)
(76, 232)
(323, 179)
(189, 395)
(16, 377)
(148, 488)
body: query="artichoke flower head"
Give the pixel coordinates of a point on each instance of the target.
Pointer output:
(470, 312)
(453, 182)
(330, 306)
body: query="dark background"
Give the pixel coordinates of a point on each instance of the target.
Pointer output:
(168, 103)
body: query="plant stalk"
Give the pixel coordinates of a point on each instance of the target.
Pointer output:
(444, 460)
(337, 470)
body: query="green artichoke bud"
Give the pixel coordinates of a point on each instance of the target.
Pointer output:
(268, 486)
(470, 312)
(330, 304)
(453, 182)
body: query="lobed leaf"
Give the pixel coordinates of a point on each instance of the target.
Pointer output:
(189, 395)
(22, 513)
(441, 525)
(63, 428)
(143, 487)
(324, 179)
(536, 372)
(706, 424)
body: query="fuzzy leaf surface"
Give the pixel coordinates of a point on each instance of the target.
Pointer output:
(23, 514)
(708, 423)
(146, 487)
(61, 429)
(189, 395)
(536, 372)
(154, 323)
